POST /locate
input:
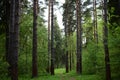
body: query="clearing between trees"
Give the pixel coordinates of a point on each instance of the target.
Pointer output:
(61, 75)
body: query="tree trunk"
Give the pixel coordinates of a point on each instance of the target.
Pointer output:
(105, 42)
(12, 56)
(67, 69)
(95, 21)
(66, 46)
(79, 37)
(102, 9)
(70, 50)
(49, 48)
(7, 13)
(52, 39)
(34, 51)
(66, 38)
(70, 60)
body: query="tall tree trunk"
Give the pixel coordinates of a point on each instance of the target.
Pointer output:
(70, 60)
(102, 10)
(79, 37)
(34, 51)
(13, 39)
(95, 21)
(66, 50)
(105, 42)
(94, 29)
(11, 55)
(7, 13)
(70, 50)
(67, 69)
(49, 48)
(52, 39)
(95, 34)
(66, 38)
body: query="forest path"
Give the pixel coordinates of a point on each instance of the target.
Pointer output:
(73, 76)
(63, 75)
(60, 74)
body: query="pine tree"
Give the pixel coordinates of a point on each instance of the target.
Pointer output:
(7, 13)
(52, 38)
(14, 39)
(34, 51)
(49, 43)
(79, 37)
(105, 42)
(95, 21)
(66, 35)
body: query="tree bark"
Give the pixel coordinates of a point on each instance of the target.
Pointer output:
(79, 37)
(105, 42)
(12, 56)
(52, 39)
(34, 51)
(49, 47)
(66, 38)
(95, 21)
(7, 13)
(70, 60)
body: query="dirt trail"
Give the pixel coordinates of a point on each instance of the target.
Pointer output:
(66, 77)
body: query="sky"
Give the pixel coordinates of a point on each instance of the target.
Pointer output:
(57, 12)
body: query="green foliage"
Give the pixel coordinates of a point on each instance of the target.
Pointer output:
(73, 49)
(42, 49)
(93, 54)
(93, 59)
(3, 68)
(114, 38)
(92, 50)
(61, 75)
(25, 52)
(58, 46)
(3, 64)
(114, 41)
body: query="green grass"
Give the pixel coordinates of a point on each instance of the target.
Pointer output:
(61, 75)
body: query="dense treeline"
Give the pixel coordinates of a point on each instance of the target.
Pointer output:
(88, 44)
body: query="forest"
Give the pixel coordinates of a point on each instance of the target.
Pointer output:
(34, 46)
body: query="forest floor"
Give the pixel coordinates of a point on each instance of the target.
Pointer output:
(61, 75)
